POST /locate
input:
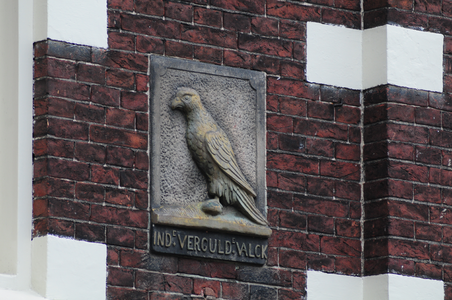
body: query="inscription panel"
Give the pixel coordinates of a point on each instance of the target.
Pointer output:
(209, 244)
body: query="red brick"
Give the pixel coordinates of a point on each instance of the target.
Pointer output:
(272, 140)
(348, 265)
(120, 117)
(429, 6)
(89, 113)
(264, 26)
(54, 147)
(114, 20)
(299, 51)
(320, 186)
(343, 18)
(320, 262)
(121, 4)
(142, 82)
(105, 96)
(291, 106)
(292, 30)
(90, 73)
(265, 45)
(118, 137)
(428, 232)
(340, 246)
(291, 182)
(150, 26)
(90, 232)
(294, 220)
(141, 200)
(241, 5)
(54, 107)
(321, 129)
(279, 123)
(208, 17)
(236, 22)
(280, 200)
(427, 193)
(121, 79)
(236, 59)
(292, 163)
(150, 45)
(149, 281)
(89, 192)
(320, 224)
(292, 69)
(119, 216)
(348, 4)
(178, 284)
(320, 110)
(401, 151)
(120, 277)
(134, 101)
(428, 116)
(120, 59)
(105, 175)
(348, 151)
(60, 227)
(112, 257)
(348, 228)
(293, 240)
(119, 293)
(59, 68)
(210, 36)
(408, 210)
(134, 179)
(347, 190)
(207, 54)
(428, 155)
(121, 237)
(68, 209)
(119, 197)
(292, 259)
(178, 11)
(208, 269)
(68, 169)
(265, 63)
(142, 161)
(68, 89)
(156, 8)
(316, 205)
(408, 249)
(178, 49)
(206, 288)
(121, 41)
(90, 152)
(293, 88)
(53, 187)
(293, 11)
(348, 114)
(232, 290)
(120, 156)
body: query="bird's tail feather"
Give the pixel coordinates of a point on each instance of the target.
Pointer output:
(249, 208)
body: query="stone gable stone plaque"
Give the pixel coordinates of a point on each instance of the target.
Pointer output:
(208, 160)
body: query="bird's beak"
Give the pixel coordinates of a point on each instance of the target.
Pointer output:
(176, 103)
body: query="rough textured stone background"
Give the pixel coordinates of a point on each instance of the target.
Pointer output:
(232, 104)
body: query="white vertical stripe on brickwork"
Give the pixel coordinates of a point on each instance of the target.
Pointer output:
(388, 54)
(68, 269)
(79, 22)
(324, 286)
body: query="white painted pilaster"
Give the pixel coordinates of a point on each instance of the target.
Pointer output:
(388, 54)
(74, 21)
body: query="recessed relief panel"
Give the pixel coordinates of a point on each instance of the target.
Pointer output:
(208, 149)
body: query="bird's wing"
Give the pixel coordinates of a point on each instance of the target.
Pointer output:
(220, 149)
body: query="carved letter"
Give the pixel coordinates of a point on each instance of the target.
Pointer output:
(249, 250)
(190, 243)
(210, 246)
(167, 240)
(228, 247)
(219, 248)
(197, 240)
(255, 250)
(264, 255)
(204, 246)
(160, 239)
(182, 243)
(242, 249)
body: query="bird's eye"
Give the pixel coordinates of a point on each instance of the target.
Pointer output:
(187, 97)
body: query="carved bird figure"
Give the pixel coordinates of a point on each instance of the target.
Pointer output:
(212, 152)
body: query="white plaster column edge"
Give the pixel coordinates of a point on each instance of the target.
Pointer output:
(362, 59)
(324, 286)
(82, 22)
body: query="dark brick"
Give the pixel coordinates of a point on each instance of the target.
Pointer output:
(90, 152)
(265, 45)
(237, 22)
(208, 17)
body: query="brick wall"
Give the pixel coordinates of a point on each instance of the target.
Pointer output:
(91, 148)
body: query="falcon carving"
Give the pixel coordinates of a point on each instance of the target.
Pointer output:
(212, 152)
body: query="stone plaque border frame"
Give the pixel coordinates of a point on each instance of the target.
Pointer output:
(257, 80)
